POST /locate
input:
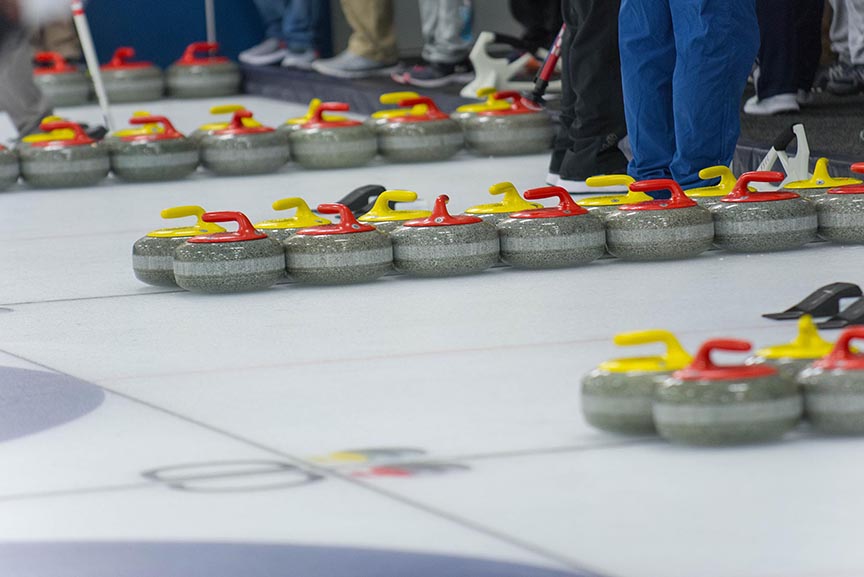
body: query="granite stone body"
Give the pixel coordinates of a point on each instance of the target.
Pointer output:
(9, 169)
(437, 251)
(788, 368)
(723, 412)
(416, 141)
(134, 85)
(841, 217)
(334, 147)
(834, 400)
(153, 260)
(203, 80)
(388, 226)
(659, 234)
(764, 226)
(55, 166)
(338, 259)
(242, 154)
(65, 89)
(229, 266)
(509, 134)
(621, 402)
(551, 242)
(152, 160)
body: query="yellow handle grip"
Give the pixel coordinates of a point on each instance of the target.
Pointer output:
(396, 97)
(610, 180)
(183, 212)
(675, 353)
(303, 210)
(486, 91)
(382, 205)
(200, 227)
(226, 109)
(724, 173)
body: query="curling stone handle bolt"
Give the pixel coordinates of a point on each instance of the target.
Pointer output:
(702, 361)
(842, 349)
(678, 198)
(122, 55)
(565, 200)
(169, 129)
(742, 187)
(245, 229)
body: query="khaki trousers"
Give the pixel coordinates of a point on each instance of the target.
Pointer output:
(374, 32)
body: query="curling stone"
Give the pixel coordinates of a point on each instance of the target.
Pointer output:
(425, 137)
(60, 82)
(708, 404)
(163, 154)
(617, 396)
(841, 212)
(8, 167)
(153, 255)
(135, 130)
(444, 245)
(752, 221)
(566, 235)
(820, 182)
(387, 219)
(602, 206)
(329, 143)
(200, 73)
(659, 229)
(348, 252)
(834, 388)
(240, 149)
(380, 117)
(791, 358)
(131, 81)
(297, 122)
(468, 111)
(227, 262)
(515, 130)
(511, 202)
(710, 195)
(77, 161)
(283, 228)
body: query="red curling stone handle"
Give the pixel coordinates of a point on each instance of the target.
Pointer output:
(742, 187)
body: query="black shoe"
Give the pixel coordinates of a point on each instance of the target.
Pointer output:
(436, 74)
(844, 79)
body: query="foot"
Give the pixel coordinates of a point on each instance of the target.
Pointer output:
(845, 79)
(400, 74)
(349, 65)
(270, 51)
(301, 59)
(552, 178)
(436, 74)
(580, 187)
(772, 105)
(805, 97)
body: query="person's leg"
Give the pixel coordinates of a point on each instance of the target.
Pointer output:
(855, 9)
(272, 49)
(61, 37)
(808, 22)
(271, 12)
(301, 24)
(541, 20)
(716, 42)
(20, 98)
(778, 48)
(446, 24)
(373, 33)
(647, 65)
(839, 31)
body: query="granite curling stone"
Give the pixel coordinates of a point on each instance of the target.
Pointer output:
(751, 221)
(603, 206)
(60, 82)
(429, 137)
(68, 162)
(226, 262)
(672, 228)
(710, 195)
(381, 117)
(131, 81)
(153, 254)
(618, 395)
(283, 228)
(819, 183)
(9, 170)
(329, 143)
(348, 252)
(565, 235)
(200, 73)
(791, 358)
(242, 150)
(160, 154)
(708, 404)
(469, 111)
(841, 212)
(511, 201)
(515, 130)
(444, 245)
(385, 218)
(834, 388)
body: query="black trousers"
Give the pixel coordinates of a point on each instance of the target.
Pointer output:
(791, 45)
(592, 103)
(541, 20)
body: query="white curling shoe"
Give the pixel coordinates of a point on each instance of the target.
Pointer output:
(779, 104)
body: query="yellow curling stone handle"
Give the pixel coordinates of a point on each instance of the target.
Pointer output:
(807, 345)
(490, 103)
(821, 178)
(310, 114)
(396, 98)
(675, 358)
(200, 227)
(722, 188)
(381, 211)
(228, 109)
(303, 217)
(631, 197)
(512, 201)
(60, 134)
(151, 128)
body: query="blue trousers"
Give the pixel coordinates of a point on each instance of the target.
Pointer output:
(684, 65)
(297, 22)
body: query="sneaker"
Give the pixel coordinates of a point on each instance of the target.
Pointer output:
(772, 105)
(581, 187)
(301, 60)
(401, 73)
(349, 65)
(805, 97)
(436, 74)
(845, 79)
(270, 51)
(552, 178)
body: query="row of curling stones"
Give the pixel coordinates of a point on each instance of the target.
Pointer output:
(199, 73)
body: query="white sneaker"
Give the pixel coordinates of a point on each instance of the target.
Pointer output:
(350, 65)
(580, 187)
(300, 60)
(552, 179)
(270, 51)
(772, 105)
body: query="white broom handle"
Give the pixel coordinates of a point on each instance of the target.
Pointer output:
(210, 11)
(92, 60)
